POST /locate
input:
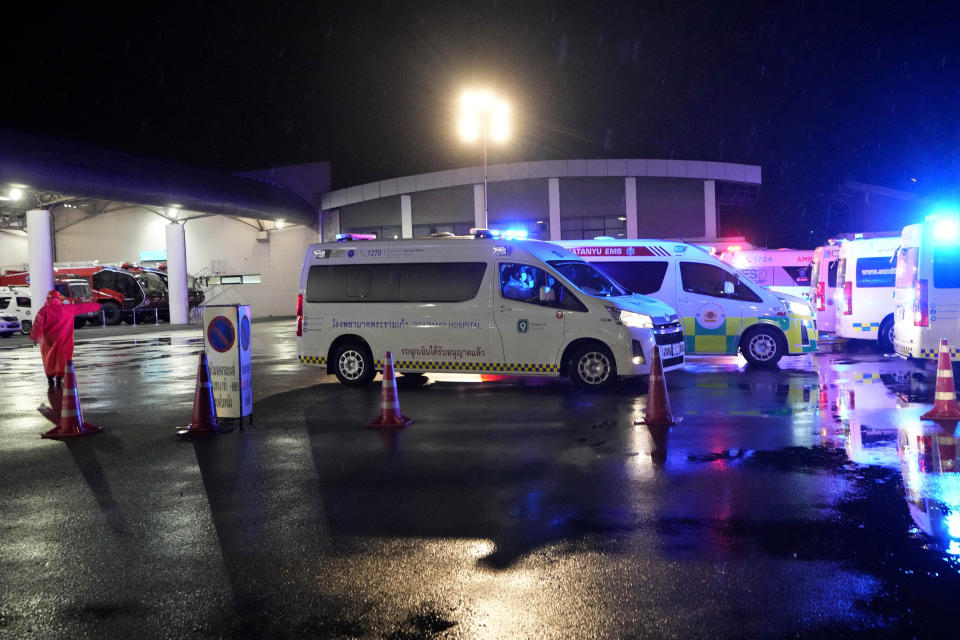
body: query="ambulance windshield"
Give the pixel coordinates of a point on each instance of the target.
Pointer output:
(587, 278)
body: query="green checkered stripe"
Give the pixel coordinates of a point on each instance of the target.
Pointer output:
(438, 365)
(866, 326)
(722, 339)
(933, 353)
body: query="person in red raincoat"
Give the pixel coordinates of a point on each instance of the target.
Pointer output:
(53, 329)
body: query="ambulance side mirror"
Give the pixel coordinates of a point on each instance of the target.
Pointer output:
(728, 288)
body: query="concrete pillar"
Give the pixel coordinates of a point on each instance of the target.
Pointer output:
(39, 251)
(630, 193)
(553, 193)
(406, 216)
(478, 217)
(710, 208)
(177, 274)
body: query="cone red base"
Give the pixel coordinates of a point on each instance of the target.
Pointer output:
(191, 430)
(86, 429)
(942, 414)
(392, 421)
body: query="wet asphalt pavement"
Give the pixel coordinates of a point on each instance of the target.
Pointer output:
(808, 501)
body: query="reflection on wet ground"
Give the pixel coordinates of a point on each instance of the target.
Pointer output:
(808, 501)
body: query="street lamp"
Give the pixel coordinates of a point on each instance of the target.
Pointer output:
(483, 115)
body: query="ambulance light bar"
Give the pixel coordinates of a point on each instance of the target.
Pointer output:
(349, 237)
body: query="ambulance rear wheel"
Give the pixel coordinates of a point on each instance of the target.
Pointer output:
(353, 364)
(763, 346)
(885, 339)
(593, 367)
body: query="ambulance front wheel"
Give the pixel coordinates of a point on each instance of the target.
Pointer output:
(763, 346)
(593, 367)
(353, 364)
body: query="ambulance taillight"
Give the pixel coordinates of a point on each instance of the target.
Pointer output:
(299, 314)
(921, 308)
(821, 296)
(848, 298)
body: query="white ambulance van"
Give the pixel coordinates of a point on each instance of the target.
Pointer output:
(722, 312)
(865, 276)
(926, 297)
(823, 284)
(783, 270)
(477, 305)
(15, 302)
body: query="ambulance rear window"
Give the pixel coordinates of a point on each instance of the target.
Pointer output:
(907, 267)
(946, 267)
(638, 277)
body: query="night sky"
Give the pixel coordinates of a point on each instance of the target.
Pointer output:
(814, 92)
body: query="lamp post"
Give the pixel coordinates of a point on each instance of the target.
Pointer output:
(484, 115)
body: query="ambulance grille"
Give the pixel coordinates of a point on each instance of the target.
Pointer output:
(668, 333)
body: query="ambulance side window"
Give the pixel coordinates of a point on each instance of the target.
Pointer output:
(708, 280)
(637, 276)
(535, 286)
(798, 276)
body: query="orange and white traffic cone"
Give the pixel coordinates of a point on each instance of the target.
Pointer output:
(71, 417)
(390, 415)
(658, 402)
(204, 421)
(945, 397)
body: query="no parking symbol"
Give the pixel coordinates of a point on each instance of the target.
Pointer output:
(221, 334)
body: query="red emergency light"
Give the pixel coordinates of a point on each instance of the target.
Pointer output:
(921, 308)
(299, 314)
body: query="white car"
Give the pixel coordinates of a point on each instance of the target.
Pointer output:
(9, 325)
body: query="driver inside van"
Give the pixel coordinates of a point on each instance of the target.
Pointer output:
(520, 285)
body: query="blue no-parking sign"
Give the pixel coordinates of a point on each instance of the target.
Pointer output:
(227, 337)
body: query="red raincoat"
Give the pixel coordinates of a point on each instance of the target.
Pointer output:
(53, 328)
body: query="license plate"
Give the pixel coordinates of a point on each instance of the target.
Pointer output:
(671, 350)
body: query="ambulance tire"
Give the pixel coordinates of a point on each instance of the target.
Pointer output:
(593, 367)
(353, 364)
(763, 346)
(885, 338)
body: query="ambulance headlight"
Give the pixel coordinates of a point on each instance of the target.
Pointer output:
(801, 309)
(636, 320)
